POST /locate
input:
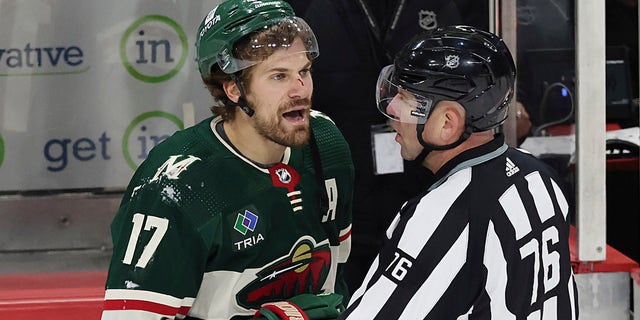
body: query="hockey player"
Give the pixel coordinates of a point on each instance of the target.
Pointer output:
(489, 239)
(249, 207)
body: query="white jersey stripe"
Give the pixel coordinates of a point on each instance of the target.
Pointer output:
(515, 211)
(330, 284)
(572, 297)
(374, 299)
(211, 289)
(550, 309)
(434, 208)
(464, 316)
(439, 280)
(345, 231)
(534, 315)
(562, 201)
(130, 314)
(358, 293)
(345, 244)
(125, 294)
(393, 226)
(496, 285)
(541, 197)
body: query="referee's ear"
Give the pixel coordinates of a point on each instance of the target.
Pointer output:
(452, 117)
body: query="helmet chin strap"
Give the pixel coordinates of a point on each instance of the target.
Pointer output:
(427, 147)
(242, 101)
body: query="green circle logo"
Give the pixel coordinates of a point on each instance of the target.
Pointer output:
(1, 150)
(146, 144)
(147, 48)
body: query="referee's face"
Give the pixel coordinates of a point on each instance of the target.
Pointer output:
(406, 136)
(440, 129)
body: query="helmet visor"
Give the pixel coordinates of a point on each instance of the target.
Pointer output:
(399, 104)
(276, 34)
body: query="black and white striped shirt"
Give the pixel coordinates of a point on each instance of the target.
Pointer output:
(489, 240)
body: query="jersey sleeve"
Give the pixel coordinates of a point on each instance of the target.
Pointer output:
(337, 164)
(339, 173)
(158, 256)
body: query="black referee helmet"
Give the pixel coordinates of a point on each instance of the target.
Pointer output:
(458, 63)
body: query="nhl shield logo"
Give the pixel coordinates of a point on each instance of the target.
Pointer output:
(283, 175)
(427, 20)
(452, 61)
(287, 177)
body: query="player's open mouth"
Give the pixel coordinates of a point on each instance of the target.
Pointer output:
(296, 116)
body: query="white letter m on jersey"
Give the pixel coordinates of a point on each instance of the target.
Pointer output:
(171, 169)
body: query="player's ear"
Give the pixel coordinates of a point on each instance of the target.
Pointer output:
(451, 122)
(231, 90)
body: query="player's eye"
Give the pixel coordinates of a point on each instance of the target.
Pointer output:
(305, 72)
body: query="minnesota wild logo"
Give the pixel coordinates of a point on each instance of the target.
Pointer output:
(305, 270)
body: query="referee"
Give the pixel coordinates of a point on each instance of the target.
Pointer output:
(489, 239)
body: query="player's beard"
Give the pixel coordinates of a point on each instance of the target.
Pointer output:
(274, 129)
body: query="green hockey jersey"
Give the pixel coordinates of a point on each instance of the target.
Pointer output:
(206, 233)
